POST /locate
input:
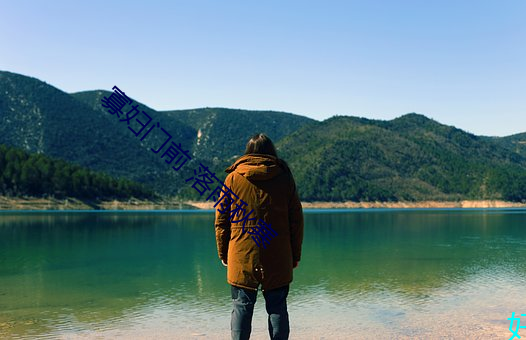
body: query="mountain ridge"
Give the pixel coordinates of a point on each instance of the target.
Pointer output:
(411, 157)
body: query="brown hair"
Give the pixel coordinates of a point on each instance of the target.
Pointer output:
(260, 143)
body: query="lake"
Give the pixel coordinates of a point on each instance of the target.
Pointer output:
(364, 274)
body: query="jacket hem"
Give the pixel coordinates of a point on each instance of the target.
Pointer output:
(242, 286)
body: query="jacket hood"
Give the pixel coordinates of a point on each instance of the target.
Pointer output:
(258, 167)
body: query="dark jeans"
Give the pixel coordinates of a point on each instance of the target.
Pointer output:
(276, 304)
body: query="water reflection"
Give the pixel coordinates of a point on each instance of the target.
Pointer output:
(388, 271)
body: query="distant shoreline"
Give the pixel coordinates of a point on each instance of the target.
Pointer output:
(32, 203)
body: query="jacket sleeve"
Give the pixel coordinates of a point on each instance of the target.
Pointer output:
(222, 228)
(295, 223)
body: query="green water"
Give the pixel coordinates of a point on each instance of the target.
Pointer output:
(364, 274)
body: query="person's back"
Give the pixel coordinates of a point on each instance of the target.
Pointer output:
(259, 235)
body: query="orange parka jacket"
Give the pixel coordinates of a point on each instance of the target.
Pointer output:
(266, 184)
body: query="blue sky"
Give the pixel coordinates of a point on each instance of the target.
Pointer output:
(462, 63)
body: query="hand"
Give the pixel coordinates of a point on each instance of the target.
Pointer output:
(224, 263)
(295, 264)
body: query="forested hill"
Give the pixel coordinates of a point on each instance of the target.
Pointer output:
(341, 158)
(408, 158)
(38, 117)
(215, 133)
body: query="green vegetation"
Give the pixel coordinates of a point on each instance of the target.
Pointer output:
(39, 118)
(37, 175)
(224, 132)
(411, 158)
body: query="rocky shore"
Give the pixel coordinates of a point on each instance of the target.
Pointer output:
(30, 203)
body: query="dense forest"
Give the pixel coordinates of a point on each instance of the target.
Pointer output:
(39, 176)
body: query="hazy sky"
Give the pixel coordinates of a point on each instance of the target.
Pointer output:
(460, 62)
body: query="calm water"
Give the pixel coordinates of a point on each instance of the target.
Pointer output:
(364, 274)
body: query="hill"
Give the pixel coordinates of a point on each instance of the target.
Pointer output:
(411, 158)
(223, 133)
(40, 118)
(216, 133)
(408, 158)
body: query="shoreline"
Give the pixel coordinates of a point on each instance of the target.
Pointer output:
(66, 204)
